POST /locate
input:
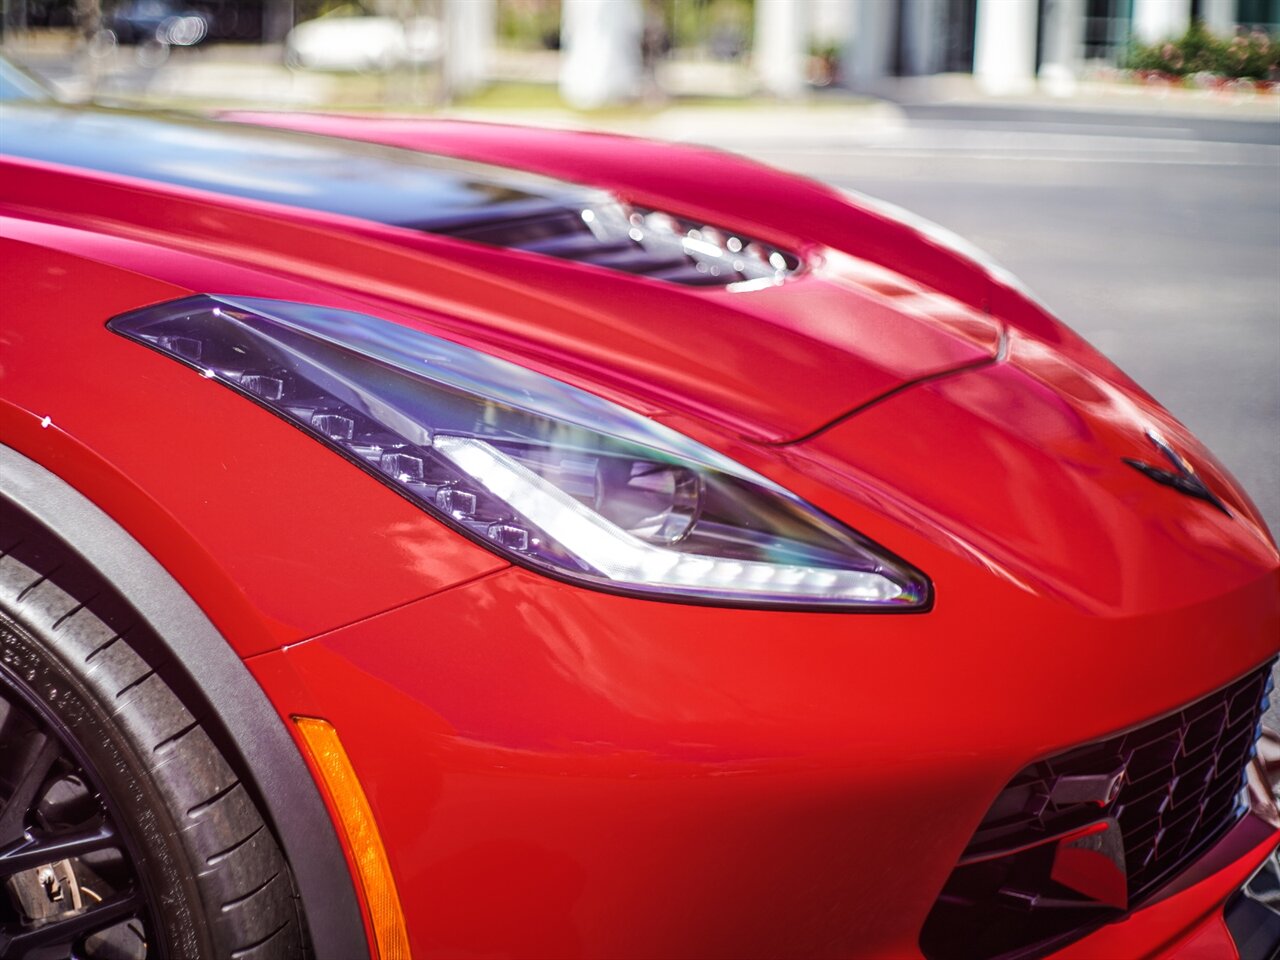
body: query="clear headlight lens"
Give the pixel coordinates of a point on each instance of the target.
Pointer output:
(546, 474)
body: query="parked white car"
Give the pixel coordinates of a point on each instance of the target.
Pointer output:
(363, 43)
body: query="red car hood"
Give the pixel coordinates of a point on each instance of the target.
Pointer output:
(1019, 464)
(770, 364)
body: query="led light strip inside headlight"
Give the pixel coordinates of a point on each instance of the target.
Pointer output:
(548, 475)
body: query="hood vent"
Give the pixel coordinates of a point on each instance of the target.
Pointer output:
(487, 204)
(636, 240)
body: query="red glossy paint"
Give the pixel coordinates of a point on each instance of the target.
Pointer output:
(721, 187)
(772, 366)
(208, 486)
(752, 784)
(561, 772)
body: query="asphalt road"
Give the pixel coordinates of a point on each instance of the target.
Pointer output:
(1157, 237)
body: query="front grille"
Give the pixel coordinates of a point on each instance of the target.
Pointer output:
(1162, 794)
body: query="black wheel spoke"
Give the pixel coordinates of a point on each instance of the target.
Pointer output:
(64, 931)
(45, 787)
(37, 849)
(42, 754)
(11, 717)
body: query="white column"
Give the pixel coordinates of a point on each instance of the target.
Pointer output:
(781, 46)
(600, 51)
(831, 21)
(1063, 47)
(869, 57)
(1219, 16)
(1155, 20)
(469, 27)
(1004, 56)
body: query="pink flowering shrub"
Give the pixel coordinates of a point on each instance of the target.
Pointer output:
(1253, 56)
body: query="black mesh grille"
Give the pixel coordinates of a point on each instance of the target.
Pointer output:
(1172, 787)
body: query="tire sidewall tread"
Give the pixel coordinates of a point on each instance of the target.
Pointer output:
(130, 726)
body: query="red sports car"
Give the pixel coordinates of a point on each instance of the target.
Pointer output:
(446, 540)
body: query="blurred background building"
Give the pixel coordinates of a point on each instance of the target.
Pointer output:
(601, 52)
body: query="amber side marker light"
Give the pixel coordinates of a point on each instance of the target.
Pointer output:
(356, 817)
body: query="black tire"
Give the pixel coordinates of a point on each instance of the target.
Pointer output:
(205, 871)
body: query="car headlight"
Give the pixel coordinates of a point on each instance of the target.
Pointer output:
(550, 476)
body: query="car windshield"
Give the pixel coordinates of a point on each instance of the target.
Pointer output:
(16, 84)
